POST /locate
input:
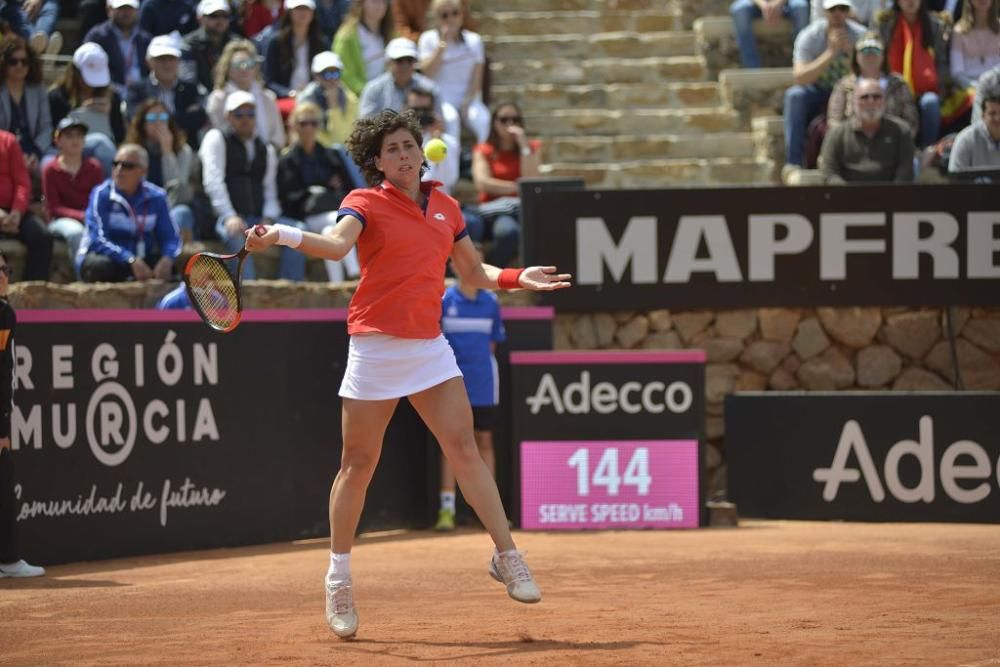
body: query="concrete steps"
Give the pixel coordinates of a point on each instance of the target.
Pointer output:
(665, 173)
(586, 22)
(623, 96)
(564, 71)
(600, 45)
(608, 122)
(623, 148)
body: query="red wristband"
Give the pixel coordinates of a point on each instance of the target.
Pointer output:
(509, 278)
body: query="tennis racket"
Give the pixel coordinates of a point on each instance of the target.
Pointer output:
(213, 290)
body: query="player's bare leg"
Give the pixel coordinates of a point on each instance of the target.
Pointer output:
(364, 424)
(445, 409)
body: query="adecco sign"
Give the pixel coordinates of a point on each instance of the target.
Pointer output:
(875, 457)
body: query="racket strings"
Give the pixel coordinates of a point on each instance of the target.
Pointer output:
(214, 291)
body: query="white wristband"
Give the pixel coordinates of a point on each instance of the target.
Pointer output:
(289, 236)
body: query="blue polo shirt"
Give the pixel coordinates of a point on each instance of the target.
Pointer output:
(470, 325)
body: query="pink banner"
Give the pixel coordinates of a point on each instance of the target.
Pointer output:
(578, 485)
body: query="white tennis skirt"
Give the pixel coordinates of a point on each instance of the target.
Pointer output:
(381, 367)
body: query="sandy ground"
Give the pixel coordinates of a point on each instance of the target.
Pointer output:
(766, 593)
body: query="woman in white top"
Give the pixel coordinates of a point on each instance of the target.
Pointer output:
(455, 59)
(975, 44)
(238, 69)
(360, 42)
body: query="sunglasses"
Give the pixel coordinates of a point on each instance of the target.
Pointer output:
(448, 15)
(243, 64)
(249, 113)
(307, 123)
(868, 97)
(162, 116)
(510, 120)
(125, 165)
(14, 62)
(7, 270)
(331, 74)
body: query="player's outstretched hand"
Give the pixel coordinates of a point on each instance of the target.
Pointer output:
(544, 279)
(260, 237)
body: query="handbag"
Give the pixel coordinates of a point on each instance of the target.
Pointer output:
(322, 200)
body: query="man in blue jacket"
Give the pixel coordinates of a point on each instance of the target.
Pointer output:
(124, 42)
(129, 231)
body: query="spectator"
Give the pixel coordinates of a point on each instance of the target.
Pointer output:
(338, 105)
(184, 100)
(445, 172)
(175, 299)
(312, 181)
(869, 63)
(410, 17)
(67, 182)
(330, 14)
(497, 164)
(91, 13)
(84, 94)
(162, 17)
(870, 146)
(821, 57)
(124, 42)
(40, 17)
(237, 69)
(12, 16)
(129, 231)
(918, 51)
(975, 42)
(862, 11)
(290, 51)
(239, 172)
(24, 109)
(455, 59)
(258, 15)
(470, 321)
(773, 12)
(989, 80)
(11, 563)
(388, 90)
(361, 40)
(203, 47)
(170, 159)
(16, 222)
(978, 146)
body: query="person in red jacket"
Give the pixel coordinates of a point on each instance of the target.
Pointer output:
(15, 220)
(67, 182)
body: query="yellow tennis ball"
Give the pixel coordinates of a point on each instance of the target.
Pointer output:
(435, 150)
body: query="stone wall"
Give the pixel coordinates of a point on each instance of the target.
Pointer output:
(809, 349)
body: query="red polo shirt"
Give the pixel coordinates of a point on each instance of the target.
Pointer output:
(403, 252)
(66, 195)
(15, 186)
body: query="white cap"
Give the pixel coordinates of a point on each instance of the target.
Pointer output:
(401, 47)
(115, 4)
(292, 4)
(238, 99)
(325, 60)
(830, 4)
(164, 45)
(209, 7)
(92, 62)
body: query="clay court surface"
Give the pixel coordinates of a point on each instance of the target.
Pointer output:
(763, 594)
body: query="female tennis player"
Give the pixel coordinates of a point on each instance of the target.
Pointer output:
(405, 231)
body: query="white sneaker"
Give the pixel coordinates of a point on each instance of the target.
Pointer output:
(20, 569)
(510, 569)
(54, 47)
(341, 615)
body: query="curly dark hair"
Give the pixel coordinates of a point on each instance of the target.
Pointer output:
(11, 45)
(365, 142)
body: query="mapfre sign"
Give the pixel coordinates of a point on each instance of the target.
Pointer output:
(701, 248)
